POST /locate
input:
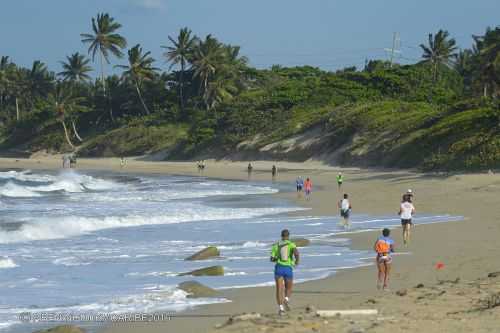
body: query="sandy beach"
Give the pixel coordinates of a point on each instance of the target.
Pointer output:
(468, 249)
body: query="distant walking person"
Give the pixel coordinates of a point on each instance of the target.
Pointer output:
(409, 194)
(286, 256)
(249, 170)
(122, 162)
(274, 171)
(345, 211)
(406, 211)
(308, 185)
(300, 185)
(384, 247)
(340, 180)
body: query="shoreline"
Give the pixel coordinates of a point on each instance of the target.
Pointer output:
(375, 192)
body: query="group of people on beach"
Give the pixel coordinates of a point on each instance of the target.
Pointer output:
(286, 256)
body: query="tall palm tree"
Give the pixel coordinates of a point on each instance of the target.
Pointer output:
(4, 78)
(488, 49)
(76, 68)
(207, 58)
(181, 54)
(440, 51)
(105, 41)
(65, 105)
(139, 69)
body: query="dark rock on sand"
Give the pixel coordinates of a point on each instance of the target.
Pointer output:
(207, 271)
(196, 289)
(301, 242)
(63, 329)
(494, 275)
(209, 252)
(420, 285)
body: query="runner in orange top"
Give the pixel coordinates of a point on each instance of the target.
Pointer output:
(384, 246)
(308, 188)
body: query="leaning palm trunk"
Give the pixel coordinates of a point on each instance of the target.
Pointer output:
(66, 133)
(141, 99)
(75, 131)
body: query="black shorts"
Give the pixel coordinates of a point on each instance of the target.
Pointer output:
(299, 188)
(406, 221)
(345, 213)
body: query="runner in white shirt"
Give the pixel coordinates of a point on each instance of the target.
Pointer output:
(406, 211)
(345, 210)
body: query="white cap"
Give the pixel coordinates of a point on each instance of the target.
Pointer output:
(409, 191)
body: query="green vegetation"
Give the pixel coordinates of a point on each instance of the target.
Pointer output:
(440, 113)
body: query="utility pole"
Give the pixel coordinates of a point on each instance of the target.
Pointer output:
(396, 43)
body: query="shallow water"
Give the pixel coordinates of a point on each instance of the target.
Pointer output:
(74, 242)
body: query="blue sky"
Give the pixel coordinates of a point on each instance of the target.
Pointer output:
(330, 34)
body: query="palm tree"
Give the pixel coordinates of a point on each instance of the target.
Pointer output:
(440, 51)
(65, 105)
(104, 40)
(76, 68)
(181, 54)
(139, 69)
(4, 78)
(488, 49)
(207, 59)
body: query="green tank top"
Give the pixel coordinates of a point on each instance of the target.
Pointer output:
(282, 252)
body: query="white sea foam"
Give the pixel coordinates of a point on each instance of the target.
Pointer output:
(17, 191)
(7, 263)
(63, 227)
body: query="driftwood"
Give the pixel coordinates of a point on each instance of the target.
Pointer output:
(342, 313)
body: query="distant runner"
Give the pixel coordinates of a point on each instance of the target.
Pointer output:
(300, 185)
(286, 256)
(274, 170)
(249, 170)
(384, 246)
(345, 210)
(340, 180)
(308, 188)
(406, 212)
(409, 194)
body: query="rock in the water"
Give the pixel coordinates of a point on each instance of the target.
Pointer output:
(207, 271)
(207, 253)
(301, 242)
(196, 289)
(62, 329)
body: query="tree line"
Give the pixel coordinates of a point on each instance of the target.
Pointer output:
(210, 84)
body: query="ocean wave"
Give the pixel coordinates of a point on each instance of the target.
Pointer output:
(67, 181)
(17, 191)
(26, 175)
(63, 227)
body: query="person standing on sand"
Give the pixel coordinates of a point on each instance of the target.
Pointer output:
(345, 210)
(122, 162)
(286, 255)
(274, 171)
(406, 211)
(340, 180)
(308, 185)
(384, 246)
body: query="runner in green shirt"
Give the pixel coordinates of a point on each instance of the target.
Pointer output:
(285, 254)
(340, 180)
